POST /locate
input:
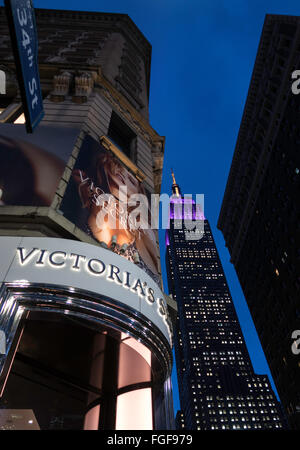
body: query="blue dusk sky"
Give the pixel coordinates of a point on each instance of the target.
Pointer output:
(203, 53)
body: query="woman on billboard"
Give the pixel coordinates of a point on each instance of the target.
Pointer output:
(105, 186)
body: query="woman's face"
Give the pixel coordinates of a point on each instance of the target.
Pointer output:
(118, 176)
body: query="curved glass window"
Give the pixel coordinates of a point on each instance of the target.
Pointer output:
(68, 373)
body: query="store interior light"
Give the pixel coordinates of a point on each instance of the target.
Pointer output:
(20, 119)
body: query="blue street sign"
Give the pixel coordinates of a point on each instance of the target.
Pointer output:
(22, 25)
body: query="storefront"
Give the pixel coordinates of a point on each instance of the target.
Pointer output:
(88, 339)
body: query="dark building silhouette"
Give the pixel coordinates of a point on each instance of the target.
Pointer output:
(217, 385)
(259, 217)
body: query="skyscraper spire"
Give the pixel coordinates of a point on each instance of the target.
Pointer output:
(173, 176)
(175, 187)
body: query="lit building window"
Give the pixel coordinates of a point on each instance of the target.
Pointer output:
(20, 119)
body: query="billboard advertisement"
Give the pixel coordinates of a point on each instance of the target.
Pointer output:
(31, 165)
(102, 199)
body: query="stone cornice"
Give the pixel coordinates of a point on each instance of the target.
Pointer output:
(111, 21)
(121, 22)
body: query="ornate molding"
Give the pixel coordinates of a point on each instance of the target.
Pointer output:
(61, 86)
(84, 84)
(65, 82)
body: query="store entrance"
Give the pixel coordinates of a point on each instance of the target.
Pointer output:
(64, 376)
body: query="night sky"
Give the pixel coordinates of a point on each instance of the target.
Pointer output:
(203, 53)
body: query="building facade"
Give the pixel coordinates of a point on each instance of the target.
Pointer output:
(84, 325)
(259, 217)
(217, 385)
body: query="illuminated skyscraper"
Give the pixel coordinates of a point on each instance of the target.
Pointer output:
(217, 385)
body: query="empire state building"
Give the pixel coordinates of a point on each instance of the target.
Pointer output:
(218, 388)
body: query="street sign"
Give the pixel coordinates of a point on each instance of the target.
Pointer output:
(22, 26)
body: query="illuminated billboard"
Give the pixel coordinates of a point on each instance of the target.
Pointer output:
(102, 199)
(32, 165)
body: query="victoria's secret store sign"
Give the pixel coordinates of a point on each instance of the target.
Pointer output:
(59, 259)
